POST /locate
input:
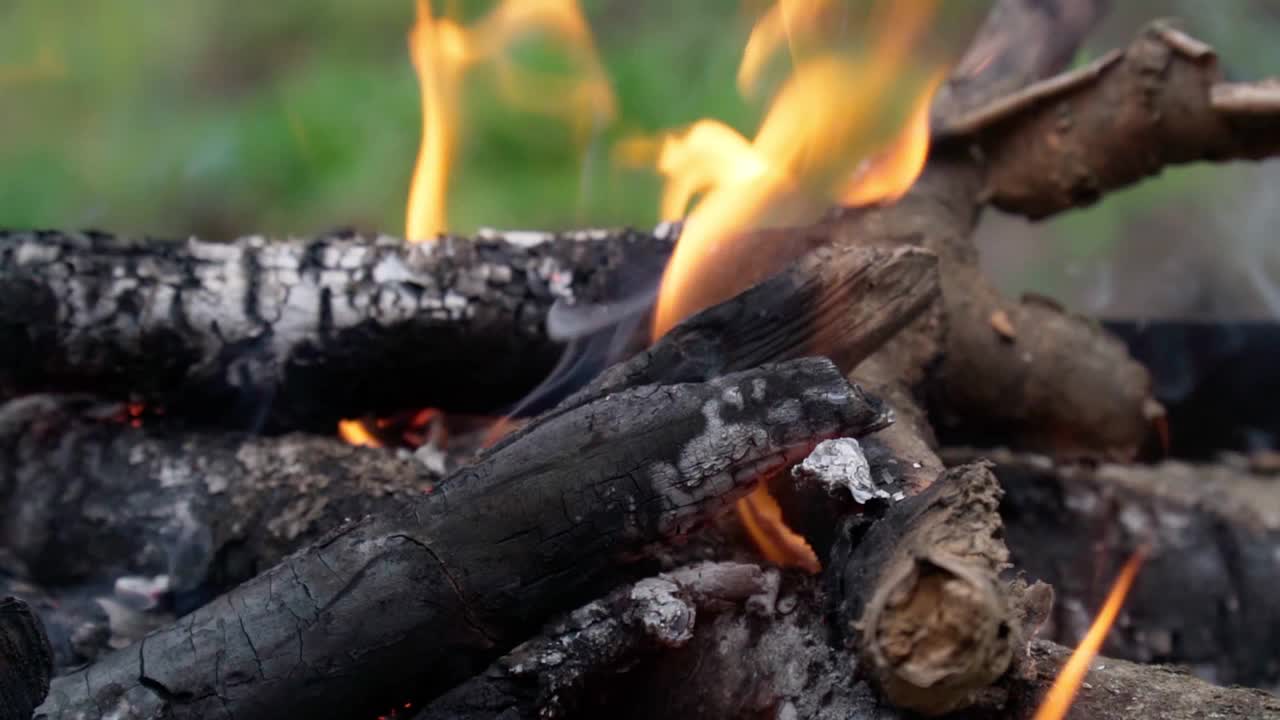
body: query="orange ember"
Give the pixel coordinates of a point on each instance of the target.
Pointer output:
(443, 50)
(1059, 698)
(356, 433)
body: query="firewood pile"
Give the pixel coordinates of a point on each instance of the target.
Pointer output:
(183, 535)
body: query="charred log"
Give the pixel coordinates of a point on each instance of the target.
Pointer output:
(26, 660)
(406, 604)
(1205, 597)
(1119, 690)
(841, 304)
(243, 333)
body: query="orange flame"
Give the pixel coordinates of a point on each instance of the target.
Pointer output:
(1063, 692)
(356, 433)
(442, 51)
(790, 21)
(823, 114)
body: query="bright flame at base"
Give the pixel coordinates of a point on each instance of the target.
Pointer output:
(1058, 700)
(355, 433)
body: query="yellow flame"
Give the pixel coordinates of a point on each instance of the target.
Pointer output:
(810, 137)
(885, 177)
(356, 433)
(1063, 692)
(442, 51)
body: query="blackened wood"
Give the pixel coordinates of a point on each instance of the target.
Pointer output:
(838, 303)
(920, 593)
(26, 660)
(571, 664)
(85, 498)
(298, 333)
(1205, 596)
(407, 604)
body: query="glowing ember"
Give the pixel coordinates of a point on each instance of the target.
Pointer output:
(356, 433)
(1058, 700)
(761, 517)
(442, 51)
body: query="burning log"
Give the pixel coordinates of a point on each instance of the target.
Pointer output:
(539, 523)
(26, 660)
(1205, 595)
(243, 333)
(1119, 690)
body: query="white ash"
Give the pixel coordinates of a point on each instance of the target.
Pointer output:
(840, 464)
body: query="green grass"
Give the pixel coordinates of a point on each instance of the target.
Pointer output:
(294, 116)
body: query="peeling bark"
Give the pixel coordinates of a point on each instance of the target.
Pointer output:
(921, 595)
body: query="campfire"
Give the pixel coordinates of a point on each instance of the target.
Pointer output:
(788, 454)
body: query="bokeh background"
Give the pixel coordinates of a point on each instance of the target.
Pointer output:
(223, 118)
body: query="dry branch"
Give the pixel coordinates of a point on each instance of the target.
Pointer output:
(1042, 378)
(921, 594)
(1205, 597)
(406, 604)
(1064, 142)
(243, 333)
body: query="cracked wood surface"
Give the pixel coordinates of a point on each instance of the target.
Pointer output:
(26, 660)
(406, 604)
(246, 333)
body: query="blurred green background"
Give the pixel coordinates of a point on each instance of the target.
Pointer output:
(223, 118)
